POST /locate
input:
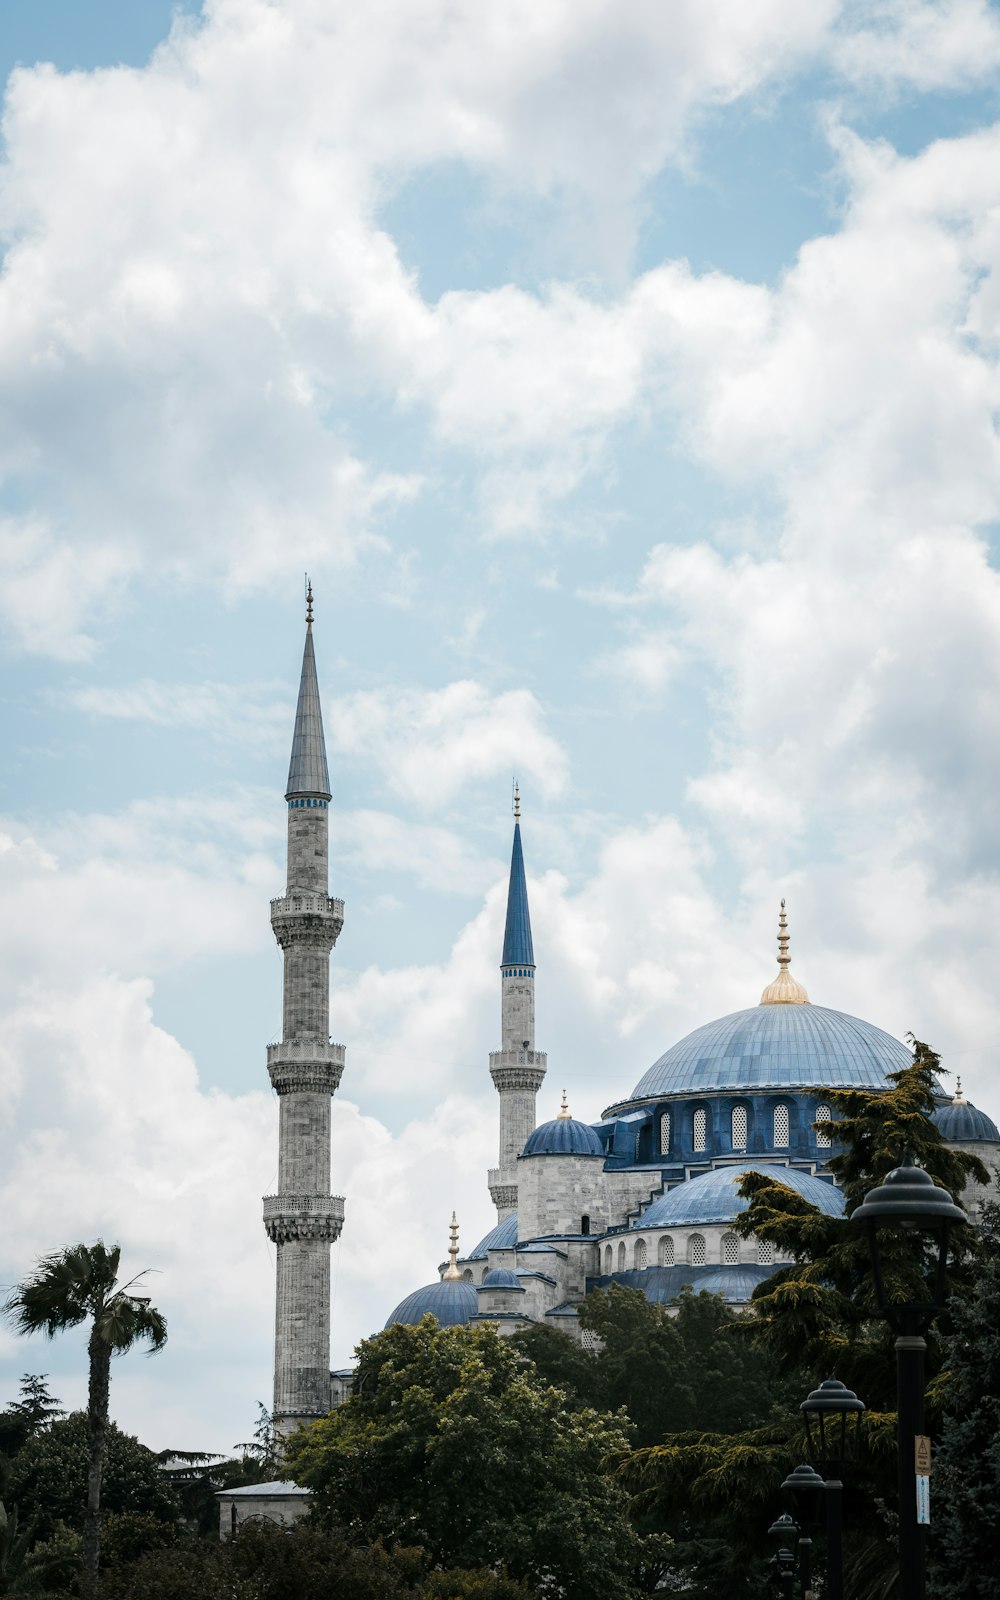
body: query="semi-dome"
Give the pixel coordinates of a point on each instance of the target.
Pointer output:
(735, 1284)
(451, 1300)
(962, 1121)
(502, 1237)
(713, 1197)
(563, 1136)
(776, 1046)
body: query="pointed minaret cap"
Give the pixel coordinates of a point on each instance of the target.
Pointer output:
(518, 950)
(308, 773)
(785, 990)
(451, 1271)
(958, 1099)
(564, 1112)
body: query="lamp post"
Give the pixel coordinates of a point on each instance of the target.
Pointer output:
(833, 1421)
(910, 1202)
(784, 1529)
(805, 1488)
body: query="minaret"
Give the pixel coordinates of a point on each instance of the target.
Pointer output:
(517, 1068)
(303, 1219)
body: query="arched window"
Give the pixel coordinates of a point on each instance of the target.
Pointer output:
(781, 1127)
(823, 1140)
(700, 1128)
(666, 1253)
(739, 1127)
(467, 1275)
(640, 1254)
(607, 1258)
(621, 1258)
(765, 1252)
(696, 1250)
(585, 1224)
(665, 1133)
(730, 1250)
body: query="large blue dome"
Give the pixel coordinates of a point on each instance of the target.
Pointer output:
(502, 1237)
(563, 1136)
(451, 1300)
(777, 1047)
(712, 1196)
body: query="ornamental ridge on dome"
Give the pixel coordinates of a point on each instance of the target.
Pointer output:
(785, 990)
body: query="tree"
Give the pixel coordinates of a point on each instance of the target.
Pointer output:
(80, 1285)
(48, 1478)
(22, 1419)
(966, 1482)
(450, 1442)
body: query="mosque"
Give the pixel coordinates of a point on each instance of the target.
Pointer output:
(646, 1196)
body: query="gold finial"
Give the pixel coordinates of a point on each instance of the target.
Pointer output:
(784, 991)
(959, 1098)
(452, 1268)
(517, 802)
(564, 1111)
(309, 601)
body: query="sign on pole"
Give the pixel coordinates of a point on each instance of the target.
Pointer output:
(923, 1497)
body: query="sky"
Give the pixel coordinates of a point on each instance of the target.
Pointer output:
(626, 378)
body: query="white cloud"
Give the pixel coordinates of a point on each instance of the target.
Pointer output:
(430, 743)
(944, 44)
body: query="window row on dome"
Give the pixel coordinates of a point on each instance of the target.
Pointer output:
(622, 1258)
(750, 1125)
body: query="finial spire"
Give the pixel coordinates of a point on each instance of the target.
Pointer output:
(309, 601)
(784, 991)
(517, 802)
(452, 1269)
(518, 950)
(564, 1111)
(959, 1098)
(308, 773)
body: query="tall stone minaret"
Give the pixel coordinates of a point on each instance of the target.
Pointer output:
(517, 1068)
(303, 1219)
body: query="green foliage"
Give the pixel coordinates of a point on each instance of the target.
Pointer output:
(80, 1284)
(23, 1418)
(48, 1479)
(822, 1309)
(262, 1454)
(450, 1442)
(965, 1541)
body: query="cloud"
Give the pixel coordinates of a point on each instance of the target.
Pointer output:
(945, 45)
(430, 743)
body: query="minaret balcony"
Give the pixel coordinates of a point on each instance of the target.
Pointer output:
(290, 1217)
(306, 918)
(304, 1066)
(518, 1069)
(503, 1192)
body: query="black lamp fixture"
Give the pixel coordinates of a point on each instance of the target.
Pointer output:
(911, 1203)
(832, 1416)
(786, 1529)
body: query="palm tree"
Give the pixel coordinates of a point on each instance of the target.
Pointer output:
(68, 1288)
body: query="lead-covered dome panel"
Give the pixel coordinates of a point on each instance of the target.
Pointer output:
(713, 1196)
(960, 1120)
(563, 1136)
(451, 1300)
(777, 1047)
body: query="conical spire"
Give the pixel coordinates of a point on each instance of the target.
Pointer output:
(308, 773)
(451, 1270)
(784, 991)
(517, 947)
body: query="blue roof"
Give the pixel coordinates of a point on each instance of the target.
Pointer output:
(451, 1300)
(964, 1121)
(563, 1136)
(308, 773)
(662, 1285)
(712, 1196)
(502, 1237)
(777, 1047)
(502, 1278)
(517, 947)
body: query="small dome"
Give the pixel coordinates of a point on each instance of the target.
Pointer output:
(501, 1278)
(452, 1300)
(712, 1197)
(563, 1136)
(502, 1237)
(960, 1121)
(735, 1284)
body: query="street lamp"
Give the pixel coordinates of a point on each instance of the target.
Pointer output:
(833, 1422)
(806, 1488)
(784, 1529)
(910, 1202)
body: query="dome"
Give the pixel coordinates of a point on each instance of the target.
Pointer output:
(712, 1197)
(502, 1237)
(960, 1120)
(451, 1300)
(777, 1047)
(501, 1278)
(563, 1136)
(735, 1284)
